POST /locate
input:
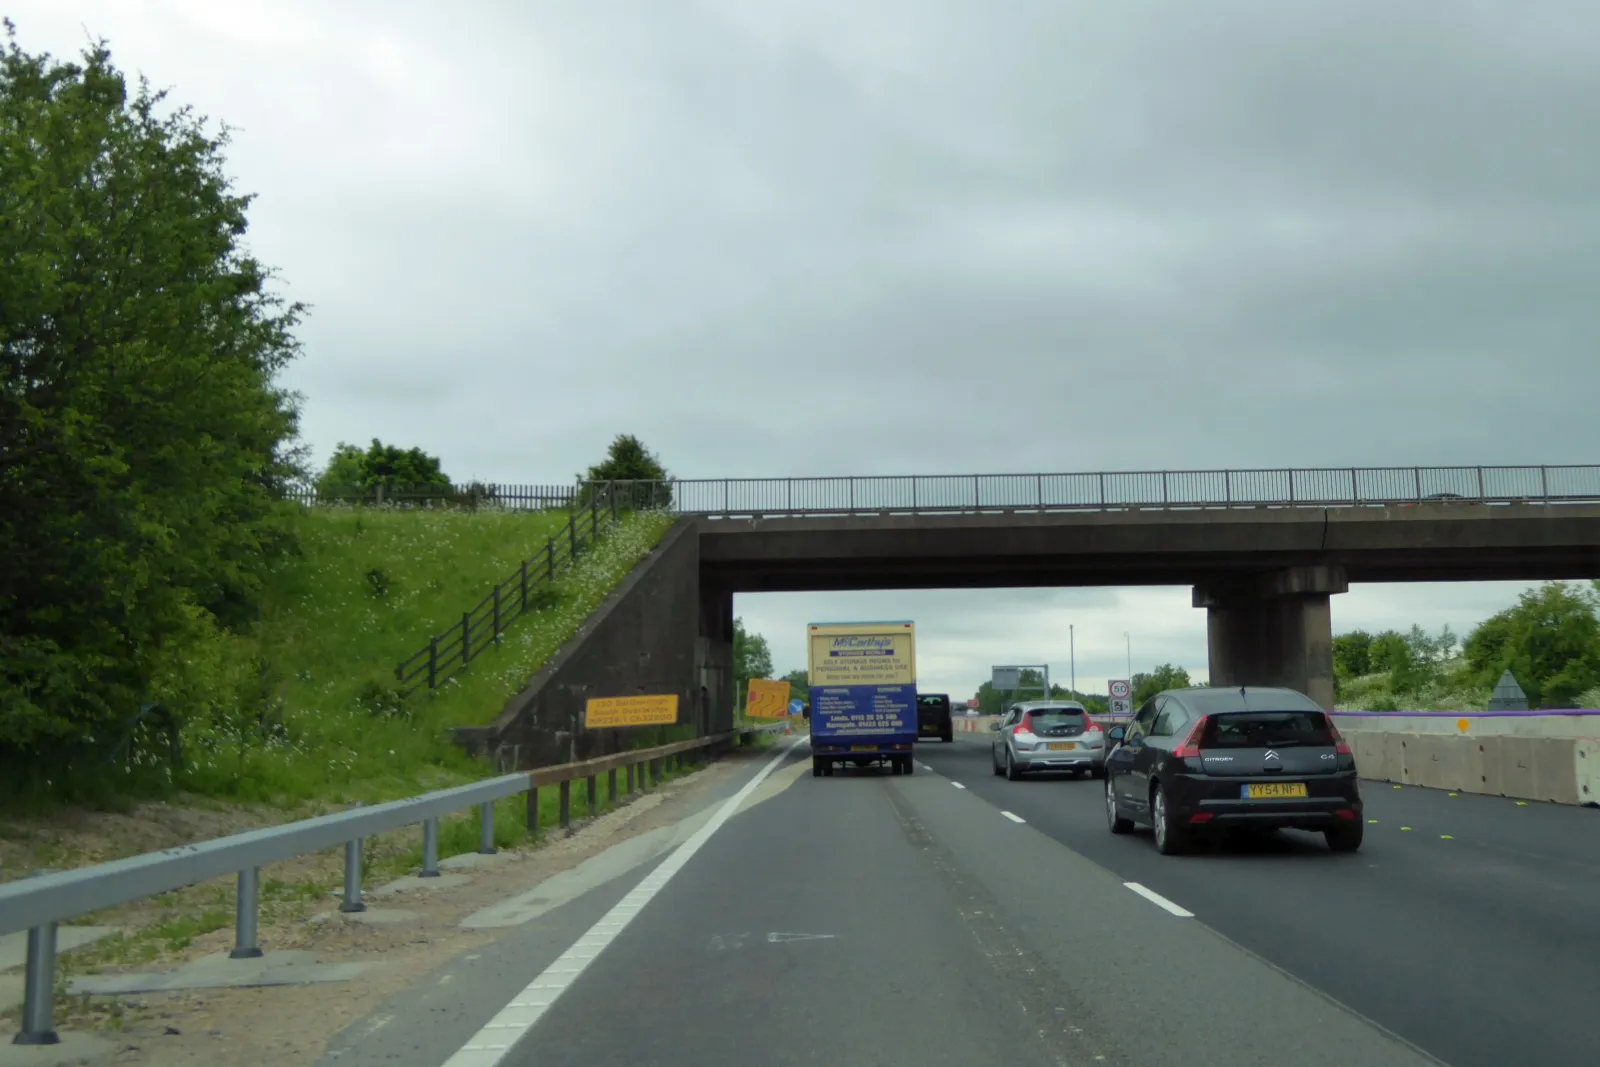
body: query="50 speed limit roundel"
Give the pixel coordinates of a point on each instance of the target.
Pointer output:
(1119, 689)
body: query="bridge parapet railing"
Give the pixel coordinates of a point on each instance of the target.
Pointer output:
(1130, 490)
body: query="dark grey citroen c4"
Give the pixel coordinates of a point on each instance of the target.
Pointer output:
(1195, 761)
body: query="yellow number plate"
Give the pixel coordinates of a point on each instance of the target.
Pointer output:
(863, 748)
(1271, 790)
(1063, 746)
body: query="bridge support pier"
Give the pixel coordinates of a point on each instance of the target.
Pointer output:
(714, 651)
(1274, 629)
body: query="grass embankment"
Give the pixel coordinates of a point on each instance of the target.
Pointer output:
(1453, 688)
(368, 588)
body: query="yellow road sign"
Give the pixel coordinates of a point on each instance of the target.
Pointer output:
(602, 712)
(767, 699)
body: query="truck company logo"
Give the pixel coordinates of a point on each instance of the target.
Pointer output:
(854, 642)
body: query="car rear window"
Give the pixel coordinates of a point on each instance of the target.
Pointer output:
(1264, 729)
(1055, 718)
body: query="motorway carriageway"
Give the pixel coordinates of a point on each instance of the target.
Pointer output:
(954, 917)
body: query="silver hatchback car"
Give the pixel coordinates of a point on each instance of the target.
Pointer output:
(1048, 735)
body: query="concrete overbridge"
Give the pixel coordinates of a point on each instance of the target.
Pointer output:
(1264, 552)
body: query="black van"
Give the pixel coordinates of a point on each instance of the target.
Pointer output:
(933, 716)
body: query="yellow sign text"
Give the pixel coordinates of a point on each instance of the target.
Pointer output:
(602, 712)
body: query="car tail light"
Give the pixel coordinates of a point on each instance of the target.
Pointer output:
(1023, 728)
(1200, 816)
(1090, 726)
(1189, 748)
(1346, 814)
(1340, 745)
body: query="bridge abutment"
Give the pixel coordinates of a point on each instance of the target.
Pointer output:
(1274, 629)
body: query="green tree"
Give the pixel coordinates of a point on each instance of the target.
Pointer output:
(799, 685)
(1159, 680)
(144, 438)
(352, 472)
(1389, 652)
(1549, 640)
(628, 460)
(1352, 654)
(751, 659)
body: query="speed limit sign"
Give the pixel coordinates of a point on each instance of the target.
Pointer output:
(1121, 704)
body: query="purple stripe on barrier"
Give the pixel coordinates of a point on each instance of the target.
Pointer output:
(1472, 714)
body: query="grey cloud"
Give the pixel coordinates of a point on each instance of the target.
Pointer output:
(822, 237)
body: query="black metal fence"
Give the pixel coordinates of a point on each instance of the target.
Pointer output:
(1125, 490)
(528, 588)
(476, 494)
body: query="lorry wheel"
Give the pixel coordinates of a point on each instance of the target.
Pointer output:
(949, 737)
(908, 765)
(827, 768)
(816, 766)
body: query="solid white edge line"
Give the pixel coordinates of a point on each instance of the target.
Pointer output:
(958, 785)
(1159, 901)
(1013, 818)
(495, 1040)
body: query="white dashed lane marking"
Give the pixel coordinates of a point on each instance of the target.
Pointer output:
(1013, 818)
(1159, 901)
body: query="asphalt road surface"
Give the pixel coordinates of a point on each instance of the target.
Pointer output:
(956, 918)
(1469, 925)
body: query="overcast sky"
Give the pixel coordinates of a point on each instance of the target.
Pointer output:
(815, 237)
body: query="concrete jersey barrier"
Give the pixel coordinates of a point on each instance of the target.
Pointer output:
(1550, 756)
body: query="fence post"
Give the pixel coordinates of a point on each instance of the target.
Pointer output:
(1480, 485)
(433, 662)
(611, 784)
(1355, 492)
(1544, 483)
(245, 907)
(38, 998)
(1102, 490)
(565, 791)
(486, 829)
(430, 849)
(1416, 476)
(1291, 485)
(495, 635)
(1163, 488)
(466, 638)
(352, 877)
(533, 813)
(1227, 487)
(629, 770)
(524, 608)
(591, 791)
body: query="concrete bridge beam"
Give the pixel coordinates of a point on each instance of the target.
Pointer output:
(1274, 629)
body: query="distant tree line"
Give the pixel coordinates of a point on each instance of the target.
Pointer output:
(1549, 640)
